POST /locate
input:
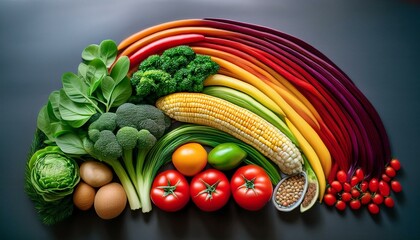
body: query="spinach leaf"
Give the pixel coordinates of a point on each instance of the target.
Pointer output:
(108, 52)
(71, 143)
(74, 113)
(120, 69)
(90, 52)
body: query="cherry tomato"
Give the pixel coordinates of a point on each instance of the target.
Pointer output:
(377, 198)
(346, 197)
(331, 190)
(355, 193)
(355, 204)
(210, 190)
(365, 199)
(373, 185)
(330, 199)
(251, 187)
(385, 177)
(336, 185)
(373, 208)
(395, 164)
(396, 186)
(170, 191)
(384, 188)
(389, 202)
(340, 205)
(354, 181)
(364, 185)
(190, 158)
(360, 174)
(390, 172)
(346, 187)
(341, 176)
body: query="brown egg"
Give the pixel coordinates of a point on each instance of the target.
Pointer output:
(96, 174)
(110, 201)
(83, 196)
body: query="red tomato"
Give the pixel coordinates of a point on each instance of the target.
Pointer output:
(373, 185)
(330, 199)
(385, 177)
(364, 185)
(395, 164)
(355, 193)
(373, 208)
(390, 172)
(396, 186)
(355, 204)
(346, 197)
(354, 181)
(340, 205)
(389, 202)
(210, 190)
(365, 199)
(360, 174)
(336, 185)
(331, 190)
(346, 187)
(377, 199)
(384, 188)
(170, 191)
(341, 176)
(251, 187)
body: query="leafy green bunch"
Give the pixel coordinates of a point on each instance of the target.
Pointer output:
(101, 83)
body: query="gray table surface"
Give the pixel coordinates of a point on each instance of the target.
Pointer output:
(377, 43)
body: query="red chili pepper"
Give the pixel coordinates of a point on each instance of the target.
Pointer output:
(162, 44)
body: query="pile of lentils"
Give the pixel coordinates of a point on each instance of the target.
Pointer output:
(290, 191)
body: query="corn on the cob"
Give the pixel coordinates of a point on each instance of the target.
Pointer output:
(241, 123)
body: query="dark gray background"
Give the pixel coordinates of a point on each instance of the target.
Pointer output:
(377, 43)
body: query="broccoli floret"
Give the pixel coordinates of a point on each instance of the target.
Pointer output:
(107, 147)
(104, 122)
(176, 58)
(191, 78)
(143, 116)
(153, 84)
(93, 134)
(127, 138)
(177, 69)
(153, 62)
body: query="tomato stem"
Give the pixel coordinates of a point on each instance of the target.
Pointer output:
(169, 189)
(209, 190)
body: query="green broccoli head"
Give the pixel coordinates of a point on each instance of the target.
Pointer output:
(145, 140)
(192, 77)
(104, 122)
(143, 116)
(176, 58)
(153, 84)
(153, 62)
(127, 137)
(93, 134)
(107, 148)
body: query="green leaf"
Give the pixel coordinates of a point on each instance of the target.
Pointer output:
(75, 88)
(44, 122)
(120, 69)
(96, 72)
(90, 52)
(107, 87)
(75, 114)
(108, 52)
(53, 104)
(121, 93)
(71, 143)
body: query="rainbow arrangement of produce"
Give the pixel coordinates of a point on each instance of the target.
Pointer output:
(235, 109)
